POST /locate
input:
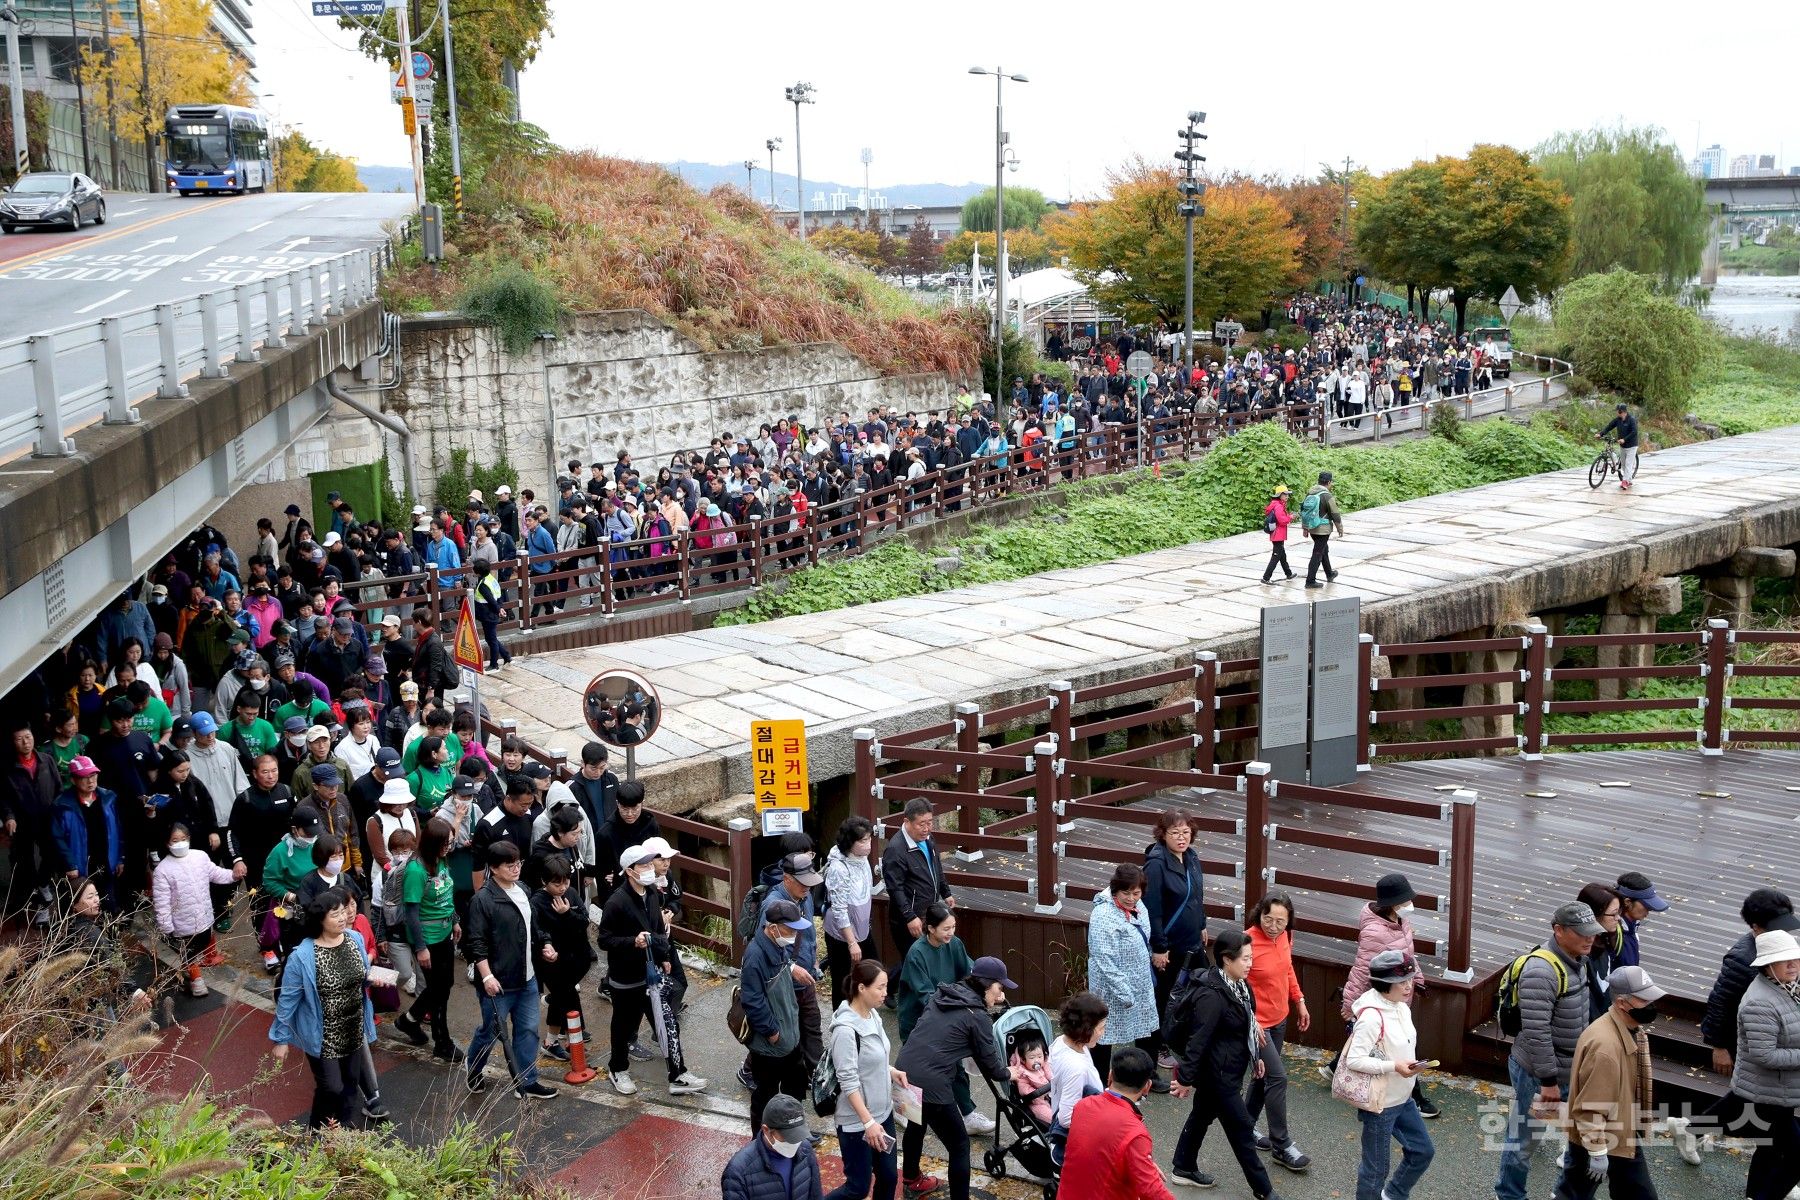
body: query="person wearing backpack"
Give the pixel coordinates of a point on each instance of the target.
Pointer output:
(1276, 520)
(1384, 1043)
(1548, 988)
(1319, 516)
(767, 993)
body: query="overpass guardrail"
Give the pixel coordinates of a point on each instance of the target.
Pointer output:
(63, 380)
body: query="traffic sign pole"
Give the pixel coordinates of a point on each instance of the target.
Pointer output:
(455, 132)
(404, 23)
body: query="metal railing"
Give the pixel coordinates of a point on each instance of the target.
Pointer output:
(62, 380)
(1489, 402)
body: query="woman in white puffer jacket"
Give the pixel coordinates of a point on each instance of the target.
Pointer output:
(181, 889)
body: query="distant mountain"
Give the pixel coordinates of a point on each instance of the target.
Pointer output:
(385, 179)
(706, 176)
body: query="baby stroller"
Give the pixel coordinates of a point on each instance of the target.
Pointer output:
(1031, 1138)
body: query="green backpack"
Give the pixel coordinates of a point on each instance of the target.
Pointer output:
(1310, 516)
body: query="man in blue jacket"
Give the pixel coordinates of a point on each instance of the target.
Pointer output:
(778, 1164)
(767, 989)
(84, 832)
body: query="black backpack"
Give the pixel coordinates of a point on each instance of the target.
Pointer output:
(750, 913)
(1178, 1022)
(825, 1081)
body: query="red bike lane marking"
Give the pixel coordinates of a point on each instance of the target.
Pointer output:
(18, 245)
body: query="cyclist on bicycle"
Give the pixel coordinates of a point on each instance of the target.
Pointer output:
(1627, 427)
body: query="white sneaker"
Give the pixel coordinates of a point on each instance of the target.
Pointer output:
(622, 1082)
(687, 1081)
(196, 986)
(978, 1122)
(1687, 1144)
(411, 986)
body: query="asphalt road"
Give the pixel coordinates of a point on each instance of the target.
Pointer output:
(154, 249)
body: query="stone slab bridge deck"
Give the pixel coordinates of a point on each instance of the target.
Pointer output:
(1425, 569)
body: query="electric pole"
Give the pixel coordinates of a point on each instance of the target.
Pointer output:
(1349, 287)
(151, 170)
(750, 165)
(116, 165)
(1000, 268)
(800, 93)
(402, 19)
(456, 197)
(9, 16)
(1191, 191)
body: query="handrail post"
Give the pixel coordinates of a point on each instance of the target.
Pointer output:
(1720, 638)
(1206, 709)
(609, 600)
(52, 442)
(687, 566)
(968, 778)
(1256, 832)
(297, 321)
(1365, 696)
(171, 387)
(246, 338)
(119, 410)
(1462, 886)
(737, 844)
(1062, 727)
(1046, 768)
(327, 302)
(1537, 692)
(862, 790)
(209, 336)
(756, 555)
(272, 324)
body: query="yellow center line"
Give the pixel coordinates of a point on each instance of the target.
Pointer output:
(102, 238)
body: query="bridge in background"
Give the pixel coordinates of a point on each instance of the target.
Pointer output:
(1736, 201)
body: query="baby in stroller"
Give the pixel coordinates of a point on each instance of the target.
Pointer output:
(1030, 1068)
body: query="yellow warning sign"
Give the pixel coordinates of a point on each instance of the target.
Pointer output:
(778, 764)
(466, 649)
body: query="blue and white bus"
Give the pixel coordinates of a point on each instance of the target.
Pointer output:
(217, 148)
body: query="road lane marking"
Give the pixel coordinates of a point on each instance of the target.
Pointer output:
(258, 226)
(26, 260)
(108, 300)
(162, 241)
(296, 242)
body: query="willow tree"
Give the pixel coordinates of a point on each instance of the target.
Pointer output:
(1632, 202)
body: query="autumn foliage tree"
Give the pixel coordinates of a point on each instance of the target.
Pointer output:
(1025, 250)
(861, 246)
(301, 166)
(1129, 248)
(189, 64)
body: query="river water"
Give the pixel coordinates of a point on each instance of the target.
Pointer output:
(1758, 304)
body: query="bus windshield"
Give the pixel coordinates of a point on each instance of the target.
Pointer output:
(199, 146)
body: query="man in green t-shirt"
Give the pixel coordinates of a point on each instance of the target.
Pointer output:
(248, 733)
(303, 702)
(437, 724)
(153, 718)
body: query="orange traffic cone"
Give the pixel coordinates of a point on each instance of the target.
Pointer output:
(579, 1071)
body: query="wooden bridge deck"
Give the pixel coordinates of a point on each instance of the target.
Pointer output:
(1532, 853)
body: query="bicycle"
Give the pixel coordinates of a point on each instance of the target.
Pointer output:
(1605, 463)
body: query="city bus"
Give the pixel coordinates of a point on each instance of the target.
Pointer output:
(216, 148)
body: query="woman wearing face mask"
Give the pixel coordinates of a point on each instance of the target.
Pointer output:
(182, 890)
(636, 939)
(957, 1024)
(849, 882)
(1386, 924)
(328, 872)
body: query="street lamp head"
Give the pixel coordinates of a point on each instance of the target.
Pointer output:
(1018, 79)
(979, 71)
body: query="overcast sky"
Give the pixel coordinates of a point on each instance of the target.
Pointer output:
(1285, 86)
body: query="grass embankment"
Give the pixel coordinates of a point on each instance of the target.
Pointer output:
(606, 233)
(1754, 386)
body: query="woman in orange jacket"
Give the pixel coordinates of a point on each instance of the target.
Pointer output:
(1275, 523)
(1277, 991)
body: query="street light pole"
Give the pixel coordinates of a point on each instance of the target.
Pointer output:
(456, 180)
(1191, 191)
(750, 178)
(1345, 266)
(772, 144)
(9, 16)
(87, 158)
(800, 93)
(1000, 78)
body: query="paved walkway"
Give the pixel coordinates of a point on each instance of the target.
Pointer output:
(1426, 568)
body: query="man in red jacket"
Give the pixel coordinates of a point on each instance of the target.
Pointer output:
(1109, 1156)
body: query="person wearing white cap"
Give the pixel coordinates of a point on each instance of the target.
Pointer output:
(668, 891)
(1609, 1113)
(638, 952)
(1766, 1074)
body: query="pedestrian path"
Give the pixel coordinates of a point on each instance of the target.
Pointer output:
(1426, 568)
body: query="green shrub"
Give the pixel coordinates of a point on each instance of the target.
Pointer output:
(1446, 422)
(1581, 387)
(1627, 337)
(462, 476)
(517, 303)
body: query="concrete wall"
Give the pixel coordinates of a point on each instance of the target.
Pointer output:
(611, 381)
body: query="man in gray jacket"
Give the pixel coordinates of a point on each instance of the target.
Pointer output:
(1319, 515)
(1552, 1016)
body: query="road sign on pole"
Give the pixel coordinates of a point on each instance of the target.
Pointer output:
(348, 8)
(422, 66)
(465, 650)
(1139, 364)
(1510, 304)
(779, 773)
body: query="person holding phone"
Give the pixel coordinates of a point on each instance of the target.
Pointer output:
(1384, 1042)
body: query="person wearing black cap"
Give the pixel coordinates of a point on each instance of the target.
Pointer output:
(1553, 1013)
(956, 1024)
(1639, 899)
(1319, 516)
(1384, 924)
(779, 1163)
(128, 762)
(1626, 426)
(289, 862)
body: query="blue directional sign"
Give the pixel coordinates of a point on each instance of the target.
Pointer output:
(348, 8)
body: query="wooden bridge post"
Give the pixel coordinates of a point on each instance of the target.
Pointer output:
(1720, 639)
(1206, 709)
(743, 876)
(1462, 886)
(968, 778)
(862, 790)
(1046, 802)
(1365, 696)
(1257, 831)
(1062, 728)
(1537, 662)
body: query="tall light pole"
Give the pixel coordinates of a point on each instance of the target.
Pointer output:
(773, 144)
(9, 16)
(1191, 191)
(868, 156)
(750, 165)
(1345, 266)
(800, 93)
(1000, 78)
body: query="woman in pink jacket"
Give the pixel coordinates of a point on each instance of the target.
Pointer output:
(1385, 925)
(1275, 523)
(182, 889)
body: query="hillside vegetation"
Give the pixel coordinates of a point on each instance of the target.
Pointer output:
(604, 233)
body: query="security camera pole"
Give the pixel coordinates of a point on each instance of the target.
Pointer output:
(800, 93)
(1191, 191)
(1000, 137)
